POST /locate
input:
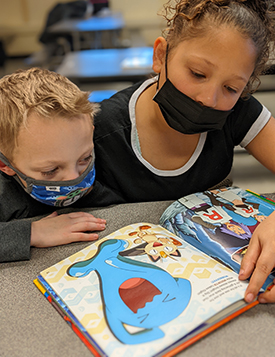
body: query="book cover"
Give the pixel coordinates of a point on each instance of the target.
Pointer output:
(142, 291)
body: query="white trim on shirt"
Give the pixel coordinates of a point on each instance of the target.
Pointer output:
(257, 126)
(136, 146)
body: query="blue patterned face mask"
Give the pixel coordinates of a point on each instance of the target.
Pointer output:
(56, 193)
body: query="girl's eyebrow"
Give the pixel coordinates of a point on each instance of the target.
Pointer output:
(239, 78)
(195, 57)
(209, 63)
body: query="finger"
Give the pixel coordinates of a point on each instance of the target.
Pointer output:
(85, 215)
(87, 220)
(85, 226)
(79, 214)
(77, 237)
(249, 260)
(263, 268)
(268, 296)
(83, 237)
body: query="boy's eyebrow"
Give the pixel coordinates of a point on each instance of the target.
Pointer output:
(88, 152)
(42, 165)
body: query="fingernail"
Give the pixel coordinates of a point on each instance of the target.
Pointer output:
(241, 272)
(249, 297)
(262, 300)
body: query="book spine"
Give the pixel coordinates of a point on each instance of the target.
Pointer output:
(66, 318)
(262, 197)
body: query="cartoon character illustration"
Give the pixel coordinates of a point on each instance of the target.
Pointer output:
(217, 223)
(134, 293)
(218, 212)
(205, 214)
(259, 218)
(239, 205)
(239, 254)
(231, 235)
(154, 245)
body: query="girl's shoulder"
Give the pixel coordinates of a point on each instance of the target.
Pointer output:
(114, 112)
(247, 119)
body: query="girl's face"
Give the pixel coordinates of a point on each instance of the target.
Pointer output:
(213, 69)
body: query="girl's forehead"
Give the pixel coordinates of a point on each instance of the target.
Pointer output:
(215, 44)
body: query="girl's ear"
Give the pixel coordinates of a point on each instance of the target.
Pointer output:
(159, 54)
(7, 170)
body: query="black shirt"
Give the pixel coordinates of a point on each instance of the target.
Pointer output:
(121, 167)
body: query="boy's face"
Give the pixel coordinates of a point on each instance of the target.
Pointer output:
(55, 149)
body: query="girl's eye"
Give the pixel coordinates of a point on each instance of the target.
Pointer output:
(49, 173)
(197, 75)
(231, 90)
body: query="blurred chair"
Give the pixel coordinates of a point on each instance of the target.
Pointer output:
(98, 96)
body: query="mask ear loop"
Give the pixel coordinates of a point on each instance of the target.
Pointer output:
(166, 58)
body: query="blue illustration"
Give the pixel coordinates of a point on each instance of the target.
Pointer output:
(134, 293)
(218, 222)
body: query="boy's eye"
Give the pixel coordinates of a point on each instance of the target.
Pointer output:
(87, 159)
(49, 173)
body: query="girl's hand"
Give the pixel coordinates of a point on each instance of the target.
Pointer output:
(67, 228)
(259, 261)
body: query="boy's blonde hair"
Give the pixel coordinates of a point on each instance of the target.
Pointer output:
(39, 91)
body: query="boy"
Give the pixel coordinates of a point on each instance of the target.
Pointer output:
(46, 162)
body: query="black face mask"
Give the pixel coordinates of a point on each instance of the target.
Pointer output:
(185, 114)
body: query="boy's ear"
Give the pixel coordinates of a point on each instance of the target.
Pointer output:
(7, 170)
(159, 54)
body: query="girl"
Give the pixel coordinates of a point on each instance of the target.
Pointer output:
(175, 134)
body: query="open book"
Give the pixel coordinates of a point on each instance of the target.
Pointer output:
(145, 291)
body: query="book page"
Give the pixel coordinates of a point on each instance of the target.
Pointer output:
(218, 222)
(141, 289)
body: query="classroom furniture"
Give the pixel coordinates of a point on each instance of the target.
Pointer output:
(114, 64)
(31, 327)
(96, 25)
(97, 96)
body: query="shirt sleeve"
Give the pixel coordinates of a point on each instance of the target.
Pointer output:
(15, 227)
(15, 240)
(256, 127)
(247, 120)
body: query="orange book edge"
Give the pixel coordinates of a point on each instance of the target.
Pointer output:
(209, 330)
(67, 319)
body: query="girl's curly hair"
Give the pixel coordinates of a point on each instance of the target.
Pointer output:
(254, 19)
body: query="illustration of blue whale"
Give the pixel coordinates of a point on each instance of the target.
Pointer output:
(134, 293)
